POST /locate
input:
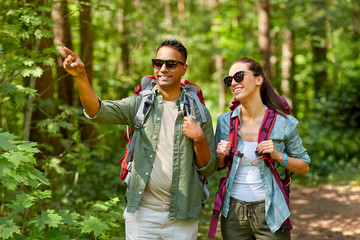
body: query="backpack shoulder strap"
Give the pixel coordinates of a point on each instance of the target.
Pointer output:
(147, 82)
(146, 102)
(187, 104)
(264, 134)
(192, 95)
(267, 125)
(233, 139)
(220, 194)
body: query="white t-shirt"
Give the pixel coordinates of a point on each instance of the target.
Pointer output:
(247, 185)
(157, 191)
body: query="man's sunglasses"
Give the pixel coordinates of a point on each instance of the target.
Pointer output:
(238, 77)
(170, 64)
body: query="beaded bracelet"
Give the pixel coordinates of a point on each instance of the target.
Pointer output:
(286, 158)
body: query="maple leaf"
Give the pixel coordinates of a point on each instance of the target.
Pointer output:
(49, 218)
(4, 144)
(21, 202)
(7, 229)
(70, 219)
(93, 224)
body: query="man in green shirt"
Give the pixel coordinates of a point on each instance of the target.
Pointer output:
(164, 197)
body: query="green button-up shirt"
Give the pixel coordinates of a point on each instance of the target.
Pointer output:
(185, 201)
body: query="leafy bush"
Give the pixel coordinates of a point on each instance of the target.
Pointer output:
(24, 188)
(332, 137)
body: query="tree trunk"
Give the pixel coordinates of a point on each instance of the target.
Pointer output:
(318, 43)
(123, 29)
(86, 54)
(286, 64)
(264, 36)
(219, 68)
(45, 103)
(62, 37)
(218, 62)
(138, 22)
(168, 16)
(29, 109)
(181, 7)
(45, 89)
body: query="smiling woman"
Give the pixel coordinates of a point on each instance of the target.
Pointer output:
(250, 182)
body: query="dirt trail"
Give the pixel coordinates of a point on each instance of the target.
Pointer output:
(325, 212)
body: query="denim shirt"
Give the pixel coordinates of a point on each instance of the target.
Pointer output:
(185, 201)
(286, 139)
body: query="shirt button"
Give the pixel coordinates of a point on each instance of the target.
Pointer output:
(147, 173)
(154, 137)
(139, 192)
(158, 119)
(160, 101)
(151, 156)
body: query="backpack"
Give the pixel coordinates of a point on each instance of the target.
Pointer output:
(192, 95)
(264, 134)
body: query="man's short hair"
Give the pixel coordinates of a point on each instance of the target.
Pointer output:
(175, 44)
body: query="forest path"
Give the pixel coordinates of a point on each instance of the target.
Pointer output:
(325, 212)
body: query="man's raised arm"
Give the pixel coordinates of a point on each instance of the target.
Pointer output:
(73, 65)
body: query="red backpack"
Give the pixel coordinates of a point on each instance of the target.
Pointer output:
(264, 134)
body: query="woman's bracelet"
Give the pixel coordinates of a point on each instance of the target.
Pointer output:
(286, 158)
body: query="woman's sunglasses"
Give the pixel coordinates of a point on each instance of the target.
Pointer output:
(238, 77)
(170, 64)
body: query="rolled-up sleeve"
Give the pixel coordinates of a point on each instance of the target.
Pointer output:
(212, 164)
(116, 112)
(293, 142)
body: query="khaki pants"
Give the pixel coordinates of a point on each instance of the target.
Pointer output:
(246, 221)
(149, 224)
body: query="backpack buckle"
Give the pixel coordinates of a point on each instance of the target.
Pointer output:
(215, 213)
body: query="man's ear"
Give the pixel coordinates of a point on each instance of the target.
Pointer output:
(185, 67)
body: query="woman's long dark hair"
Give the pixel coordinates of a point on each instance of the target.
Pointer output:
(268, 95)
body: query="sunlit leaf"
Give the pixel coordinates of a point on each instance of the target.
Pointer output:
(49, 218)
(21, 202)
(4, 144)
(7, 229)
(93, 224)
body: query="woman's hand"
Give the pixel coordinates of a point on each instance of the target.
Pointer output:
(223, 150)
(269, 147)
(295, 165)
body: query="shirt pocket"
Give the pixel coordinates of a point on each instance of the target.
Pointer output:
(278, 139)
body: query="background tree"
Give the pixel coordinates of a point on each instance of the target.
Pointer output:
(264, 35)
(86, 54)
(62, 37)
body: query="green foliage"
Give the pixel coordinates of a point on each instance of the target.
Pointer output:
(16, 159)
(53, 125)
(332, 137)
(23, 187)
(7, 228)
(37, 186)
